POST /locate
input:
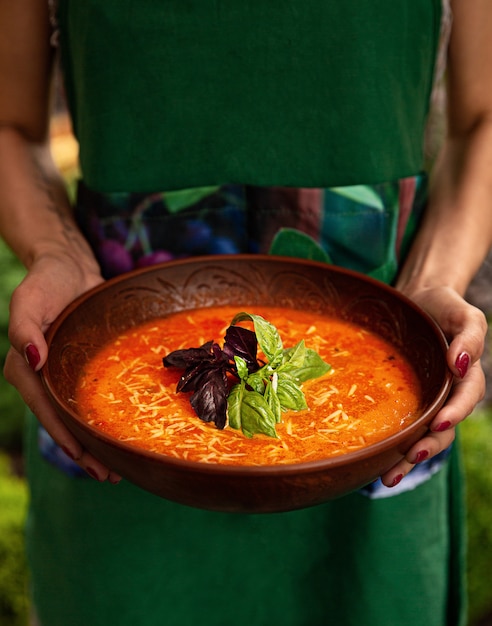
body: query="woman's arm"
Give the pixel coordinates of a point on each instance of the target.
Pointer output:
(456, 234)
(35, 215)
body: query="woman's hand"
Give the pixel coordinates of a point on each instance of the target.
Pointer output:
(465, 327)
(53, 281)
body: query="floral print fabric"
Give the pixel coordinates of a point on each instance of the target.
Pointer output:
(361, 227)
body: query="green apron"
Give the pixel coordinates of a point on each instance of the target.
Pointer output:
(105, 554)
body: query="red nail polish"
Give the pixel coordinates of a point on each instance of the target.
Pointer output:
(442, 427)
(462, 363)
(92, 472)
(32, 356)
(68, 452)
(396, 480)
(421, 456)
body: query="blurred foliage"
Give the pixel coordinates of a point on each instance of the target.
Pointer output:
(476, 434)
(14, 605)
(11, 405)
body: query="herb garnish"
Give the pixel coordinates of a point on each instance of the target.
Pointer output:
(232, 384)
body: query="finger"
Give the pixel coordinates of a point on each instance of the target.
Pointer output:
(96, 469)
(465, 395)
(427, 447)
(464, 325)
(46, 290)
(28, 322)
(468, 329)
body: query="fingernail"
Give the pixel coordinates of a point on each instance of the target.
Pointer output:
(442, 426)
(32, 356)
(92, 472)
(462, 363)
(396, 480)
(68, 452)
(113, 480)
(421, 456)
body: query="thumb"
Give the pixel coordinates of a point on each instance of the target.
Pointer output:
(466, 329)
(29, 320)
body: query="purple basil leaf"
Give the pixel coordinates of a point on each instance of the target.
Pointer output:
(191, 379)
(188, 357)
(242, 342)
(194, 376)
(217, 352)
(210, 400)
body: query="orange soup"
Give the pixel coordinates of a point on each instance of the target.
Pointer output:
(369, 393)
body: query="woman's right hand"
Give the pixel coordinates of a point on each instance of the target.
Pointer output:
(53, 281)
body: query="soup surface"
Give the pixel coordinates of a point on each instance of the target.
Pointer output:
(369, 393)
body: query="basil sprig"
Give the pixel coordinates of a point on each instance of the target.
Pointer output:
(264, 389)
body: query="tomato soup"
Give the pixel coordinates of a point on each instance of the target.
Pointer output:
(369, 393)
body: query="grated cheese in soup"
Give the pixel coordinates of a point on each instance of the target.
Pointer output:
(370, 392)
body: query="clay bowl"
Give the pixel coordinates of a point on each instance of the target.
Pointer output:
(243, 280)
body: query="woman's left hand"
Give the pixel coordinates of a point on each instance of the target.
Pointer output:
(465, 326)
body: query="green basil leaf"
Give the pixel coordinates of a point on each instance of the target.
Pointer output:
(234, 402)
(266, 334)
(257, 381)
(241, 367)
(273, 401)
(294, 357)
(313, 366)
(290, 394)
(256, 415)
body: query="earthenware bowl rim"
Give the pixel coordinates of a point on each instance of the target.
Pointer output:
(286, 469)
